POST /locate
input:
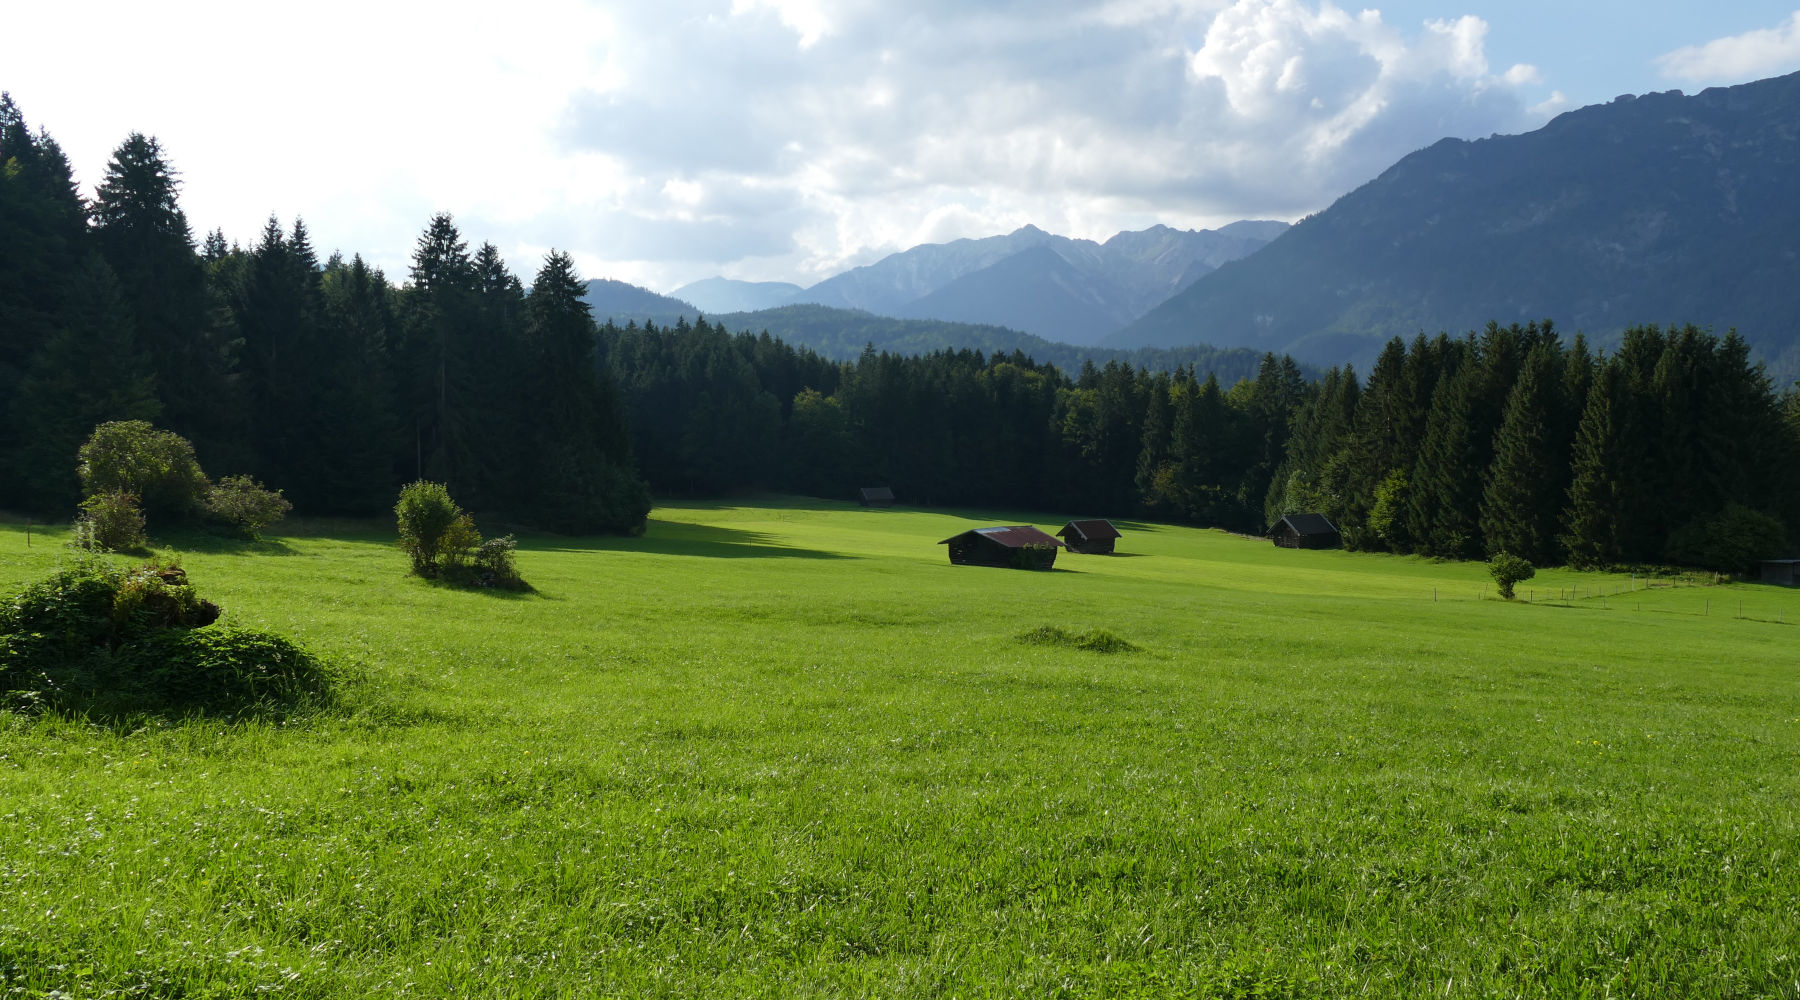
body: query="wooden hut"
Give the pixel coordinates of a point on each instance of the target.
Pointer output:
(1094, 538)
(1785, 572)
(1306, 531)
(1009, 546)
(876, 496)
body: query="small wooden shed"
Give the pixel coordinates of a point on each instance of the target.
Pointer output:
(1306, 531)
(1093, 537)
(1015, 546)
(876, 496)
(1785, 572)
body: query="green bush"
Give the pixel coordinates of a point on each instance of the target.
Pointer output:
(495, 566)
(223, 669)
(131, 456)
(110, 521)
(1730, 541)
(425, 515)
(444, 544)
(110, 642)
(244, 506)
(1507, 570)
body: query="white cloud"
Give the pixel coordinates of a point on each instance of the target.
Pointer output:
(1739, 58)
(778, 139)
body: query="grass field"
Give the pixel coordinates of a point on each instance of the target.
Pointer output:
(784, 749)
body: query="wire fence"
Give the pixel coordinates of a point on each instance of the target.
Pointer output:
(1629, 594)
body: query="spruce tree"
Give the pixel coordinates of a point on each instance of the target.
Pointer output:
(1590, 521)
(1521, 504)
(140, 229)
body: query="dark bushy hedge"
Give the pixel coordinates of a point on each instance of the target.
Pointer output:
(110, 642)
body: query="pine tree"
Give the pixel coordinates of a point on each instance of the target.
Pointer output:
(140, 229)
(584, 480)
(1522, 504)
(1590, 522)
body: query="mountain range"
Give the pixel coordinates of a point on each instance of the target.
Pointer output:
(1663, 208)
(1062, 289)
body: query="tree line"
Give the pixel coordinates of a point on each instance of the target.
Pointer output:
(335, 385)
(319, 377)
(1673, 447)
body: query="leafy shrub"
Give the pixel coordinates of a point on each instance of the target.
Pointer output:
(110, 521)
(1730, 541)
(425, 515)
(131, 456)
(106, 641)
(1033, 557)
(221, 669)
(495, 566)
(245, 506)
(1507, 570)
(444, 544)
(459, 542)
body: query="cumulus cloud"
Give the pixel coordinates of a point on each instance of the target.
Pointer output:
(764, 139)
(886, 127)
(1739, 58)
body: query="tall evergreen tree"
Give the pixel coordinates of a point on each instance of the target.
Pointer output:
(584, 478)
(1521, 505)
(140, 229)
(1590, 523)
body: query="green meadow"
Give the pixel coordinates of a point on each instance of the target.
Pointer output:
(784, 749)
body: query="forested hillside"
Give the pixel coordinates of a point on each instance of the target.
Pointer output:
(1657, 209)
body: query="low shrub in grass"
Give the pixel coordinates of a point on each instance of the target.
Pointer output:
(108, 641)
(442, 541)
(242, 506)
(1509, 570)
(110, 521)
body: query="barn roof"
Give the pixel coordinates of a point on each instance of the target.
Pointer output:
(1307, 525)
(1015, 536)
(1091, 530)
(877, 493)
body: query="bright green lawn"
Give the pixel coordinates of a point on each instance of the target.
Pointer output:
(789, 751)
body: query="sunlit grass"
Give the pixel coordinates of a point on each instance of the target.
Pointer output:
(785, 749)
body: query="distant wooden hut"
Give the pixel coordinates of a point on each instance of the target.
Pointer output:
(1009, 546)
(1094, 538)
(1306, 531)
(876, 496)
(1785, 572)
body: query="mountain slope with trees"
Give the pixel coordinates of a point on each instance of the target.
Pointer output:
(1655, 209)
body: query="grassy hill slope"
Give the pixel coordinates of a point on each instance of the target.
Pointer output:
(785, 749)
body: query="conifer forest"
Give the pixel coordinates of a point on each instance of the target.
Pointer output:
(336, 384)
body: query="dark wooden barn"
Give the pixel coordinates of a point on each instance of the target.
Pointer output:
(1306, 531)
(876, 496)
(1785, 572)
(1012, 546)
(1094, 538)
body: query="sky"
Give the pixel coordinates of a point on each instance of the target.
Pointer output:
(788, 140)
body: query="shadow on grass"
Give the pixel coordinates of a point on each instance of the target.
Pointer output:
(675, 538)
(207, 543)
